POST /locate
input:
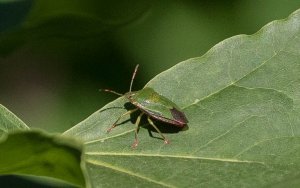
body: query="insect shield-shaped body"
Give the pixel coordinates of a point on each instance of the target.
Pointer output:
(154, 106)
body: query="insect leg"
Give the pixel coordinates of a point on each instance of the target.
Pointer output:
(151, 123)
(115, 123)
(135, 143)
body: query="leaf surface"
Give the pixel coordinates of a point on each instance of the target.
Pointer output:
(26, 152)
(38, 154)
(9, 121)
(242, 100)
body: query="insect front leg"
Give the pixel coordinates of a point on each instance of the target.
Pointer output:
(153, 125)
(126, 113)
(135, 143)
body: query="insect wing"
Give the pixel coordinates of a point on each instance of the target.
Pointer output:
(159, 107)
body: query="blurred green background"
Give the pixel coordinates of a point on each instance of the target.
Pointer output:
(55, 55)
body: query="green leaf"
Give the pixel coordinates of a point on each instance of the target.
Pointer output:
(242, 100)
(35, 153)
(9, 121)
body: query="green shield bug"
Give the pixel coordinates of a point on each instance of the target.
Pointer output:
(154, 106)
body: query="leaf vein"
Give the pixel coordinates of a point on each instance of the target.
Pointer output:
(224, 133)
(242, 77)
(257, 143)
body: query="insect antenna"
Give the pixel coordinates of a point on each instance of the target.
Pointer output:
(133, 76)
(111, 91)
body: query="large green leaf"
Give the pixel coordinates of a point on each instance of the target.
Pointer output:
(242, 99)
(35, 153)
(9, 121)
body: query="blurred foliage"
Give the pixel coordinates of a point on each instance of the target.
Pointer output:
(55, 56)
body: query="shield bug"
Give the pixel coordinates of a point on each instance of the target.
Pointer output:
(154, 106)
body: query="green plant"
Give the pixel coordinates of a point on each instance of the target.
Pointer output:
(242, 101)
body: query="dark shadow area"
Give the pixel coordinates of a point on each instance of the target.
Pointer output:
(10, 181)
(128, 106)
(162, 126)
(13, 13)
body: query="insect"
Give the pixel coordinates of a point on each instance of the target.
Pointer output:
(154, 106)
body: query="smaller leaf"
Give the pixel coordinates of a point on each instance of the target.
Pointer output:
(39, 154)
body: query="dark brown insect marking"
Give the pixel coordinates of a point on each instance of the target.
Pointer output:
(179, 116)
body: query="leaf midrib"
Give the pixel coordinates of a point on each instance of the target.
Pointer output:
(8, 116)
(173, 156)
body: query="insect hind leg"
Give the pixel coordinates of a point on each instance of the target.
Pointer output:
(137, 123)
(153, 125)
(125, 114)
